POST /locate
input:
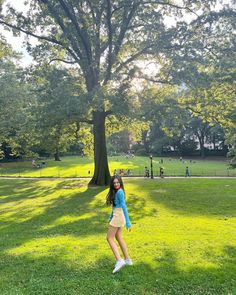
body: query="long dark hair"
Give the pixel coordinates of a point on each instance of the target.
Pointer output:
(111, 194)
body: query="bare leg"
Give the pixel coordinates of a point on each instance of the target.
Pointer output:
(110, 238)
(122, 243)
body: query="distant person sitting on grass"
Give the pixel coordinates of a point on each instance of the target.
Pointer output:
(118, 219)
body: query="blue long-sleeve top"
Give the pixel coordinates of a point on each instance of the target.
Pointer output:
(119, 202)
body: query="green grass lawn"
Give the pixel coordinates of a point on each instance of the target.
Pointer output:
(77, 166)
(53, 238)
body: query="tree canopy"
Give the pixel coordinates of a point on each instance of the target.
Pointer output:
(107, 42)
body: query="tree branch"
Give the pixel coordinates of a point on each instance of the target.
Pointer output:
(124, 25)
(41, 37)
(110, 36)
(145, 77)
(192, 110)
(64, 29)
(62, 60)
(72, 17)
(113, 53)
(170, 4)
(132, 58)
(78, 119)
(109, 112)
(82, 120)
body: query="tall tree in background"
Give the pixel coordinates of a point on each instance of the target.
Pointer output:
(206, 68)
(15, 107)
(57, 110)
(104, 39)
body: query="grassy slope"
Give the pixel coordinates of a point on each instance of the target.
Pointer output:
(53, 238)
(77, 166)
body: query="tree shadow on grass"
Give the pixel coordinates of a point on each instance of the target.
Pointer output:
(74, 204)
(139, 209)
(21, 190)
(215, 279)
(55, 273)
(79, 213)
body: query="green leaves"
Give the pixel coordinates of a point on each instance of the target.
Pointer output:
(15, 103)
(59, 106)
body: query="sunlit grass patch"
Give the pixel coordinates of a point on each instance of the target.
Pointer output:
(84, 167)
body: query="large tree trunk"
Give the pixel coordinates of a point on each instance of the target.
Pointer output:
(56, 155)
(201, 138)
(202, 148)
(101, 172)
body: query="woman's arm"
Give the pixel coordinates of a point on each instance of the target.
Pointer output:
(121, 198)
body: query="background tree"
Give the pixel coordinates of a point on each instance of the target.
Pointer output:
(15, 109)
(104, 39)
(201, 130)
(206, 69)
(57, 109)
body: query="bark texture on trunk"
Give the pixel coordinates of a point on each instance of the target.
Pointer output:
(202, 148)
(101, 172)
(56, 156)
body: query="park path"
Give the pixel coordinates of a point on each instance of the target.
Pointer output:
(132, 177)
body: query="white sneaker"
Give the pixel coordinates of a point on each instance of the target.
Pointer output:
(128, 262)
(119, 265)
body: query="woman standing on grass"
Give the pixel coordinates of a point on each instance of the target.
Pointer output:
(118, 219)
